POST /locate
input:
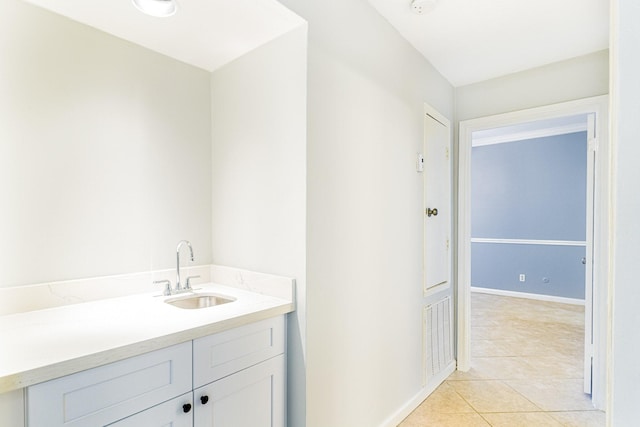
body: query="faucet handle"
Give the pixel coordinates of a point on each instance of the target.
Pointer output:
(188, 285)
(167, 288)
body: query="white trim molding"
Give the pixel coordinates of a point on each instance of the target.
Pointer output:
(521, 136)
(525, 295)
(530, 242)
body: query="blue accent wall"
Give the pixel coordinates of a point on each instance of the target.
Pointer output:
(498, 266)
(533, 190)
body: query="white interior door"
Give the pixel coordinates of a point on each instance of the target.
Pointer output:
(588, 261)
(437, 202)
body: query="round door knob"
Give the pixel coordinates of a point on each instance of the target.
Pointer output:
(204, 399)
(432, 212)
(186, 408)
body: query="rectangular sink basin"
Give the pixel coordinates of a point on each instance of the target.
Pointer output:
(198, 301)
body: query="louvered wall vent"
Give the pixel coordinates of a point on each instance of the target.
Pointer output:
(438, 333)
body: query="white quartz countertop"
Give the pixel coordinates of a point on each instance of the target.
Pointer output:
(41, 345)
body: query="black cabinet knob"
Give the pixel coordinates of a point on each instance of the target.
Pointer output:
(204, 399)
(186, 407)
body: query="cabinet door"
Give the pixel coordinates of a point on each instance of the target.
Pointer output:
(102, 395)
(173, 413)
(219, 355)
(253, 397)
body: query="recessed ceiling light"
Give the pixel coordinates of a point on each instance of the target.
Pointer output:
(157, 8)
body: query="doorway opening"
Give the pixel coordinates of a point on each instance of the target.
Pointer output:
(585, 118)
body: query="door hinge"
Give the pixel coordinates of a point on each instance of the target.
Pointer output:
(446, 153)
(593, 144)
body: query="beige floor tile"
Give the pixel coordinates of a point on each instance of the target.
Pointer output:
(581, 418)
(445, 420)
(515, 347)
(553, 366)
(470, 375)
(526, 369)
(499, 368)
(444, 400)
(492, 396)
(521, 419)
(511, 330)
(554, 394)
(491, 348)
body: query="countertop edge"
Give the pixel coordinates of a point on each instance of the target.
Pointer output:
(37, 375)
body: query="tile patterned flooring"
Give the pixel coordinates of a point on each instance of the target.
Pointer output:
(526, 370)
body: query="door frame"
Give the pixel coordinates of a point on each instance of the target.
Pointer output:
(600, 107)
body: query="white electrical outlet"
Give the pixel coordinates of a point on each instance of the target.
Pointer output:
(523, 277)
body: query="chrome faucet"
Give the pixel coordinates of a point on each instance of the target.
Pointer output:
(178, 287)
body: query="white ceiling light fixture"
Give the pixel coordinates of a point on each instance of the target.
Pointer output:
(421, 7)
(157, 8)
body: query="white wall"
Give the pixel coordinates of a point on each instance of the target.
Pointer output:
(259, 177)
(364, 269)
(576, 78)
(104, 152)
(624, 377)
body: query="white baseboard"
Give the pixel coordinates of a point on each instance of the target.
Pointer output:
(551, 298)
(412, 404)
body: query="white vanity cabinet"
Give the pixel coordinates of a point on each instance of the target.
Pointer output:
(234, 378)
(239, 377)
